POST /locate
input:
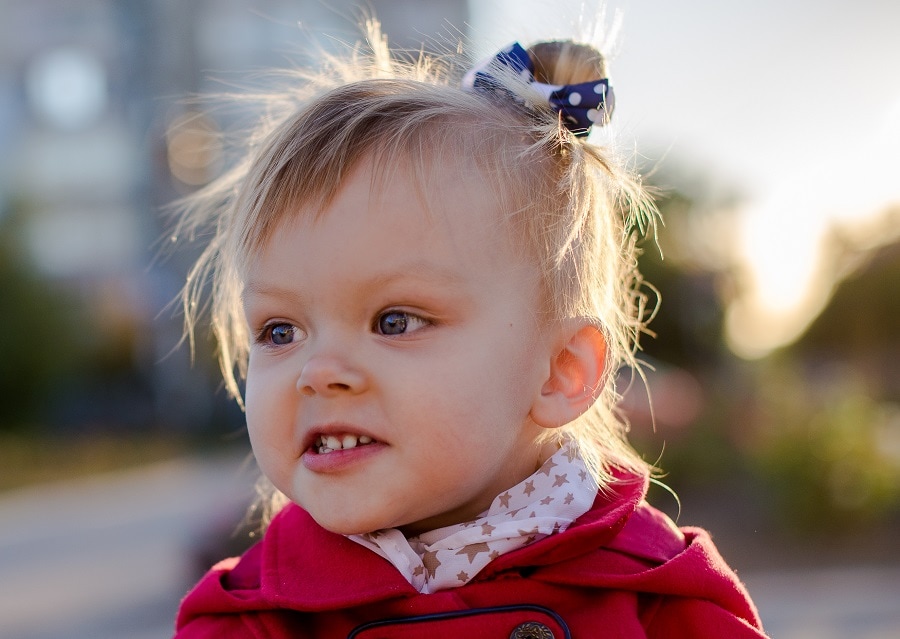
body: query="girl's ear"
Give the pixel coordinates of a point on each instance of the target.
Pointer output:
(576, 377)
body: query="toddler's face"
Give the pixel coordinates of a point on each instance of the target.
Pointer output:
(396, 356)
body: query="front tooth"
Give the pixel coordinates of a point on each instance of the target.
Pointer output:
(348, 441)
(365, 439)
(333, 442)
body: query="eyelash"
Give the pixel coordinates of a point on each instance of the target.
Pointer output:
(416, 319)
(265, 336)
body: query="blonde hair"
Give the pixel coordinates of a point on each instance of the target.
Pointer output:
(574, 205)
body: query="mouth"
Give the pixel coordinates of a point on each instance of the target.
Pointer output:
(325, 444)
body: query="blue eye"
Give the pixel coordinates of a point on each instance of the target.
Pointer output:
(281, 334)
(393, 323)
(398, 322)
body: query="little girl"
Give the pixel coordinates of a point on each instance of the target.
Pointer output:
(429, 282)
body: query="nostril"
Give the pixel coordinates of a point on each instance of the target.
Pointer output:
(324, 375)
(310, 389)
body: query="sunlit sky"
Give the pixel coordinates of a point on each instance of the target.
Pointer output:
(793, 104)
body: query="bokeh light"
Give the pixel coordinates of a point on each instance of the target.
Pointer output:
(67, 87)
(193, 148)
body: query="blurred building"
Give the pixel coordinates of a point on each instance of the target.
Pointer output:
(89, 90)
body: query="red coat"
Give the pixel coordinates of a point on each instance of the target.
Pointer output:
(621, 570)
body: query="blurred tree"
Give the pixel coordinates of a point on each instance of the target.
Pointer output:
(859, 327)
(826, 447)
(690, 313)
(814, 426)
(694, 382)
(829, 432)
(41, 327)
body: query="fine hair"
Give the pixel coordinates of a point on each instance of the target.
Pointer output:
(574, 206)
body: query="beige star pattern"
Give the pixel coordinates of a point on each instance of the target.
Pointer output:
(473, 550)
(530, 535)
(431, 563)
(541, 505)
(548, 465)
(560, 480)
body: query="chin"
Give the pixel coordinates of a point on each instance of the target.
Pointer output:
(349, 525)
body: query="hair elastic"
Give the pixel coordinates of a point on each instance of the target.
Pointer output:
(581, 105)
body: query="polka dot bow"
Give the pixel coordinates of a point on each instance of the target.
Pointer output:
(580, 105)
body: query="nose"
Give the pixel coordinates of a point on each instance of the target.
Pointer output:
(327, 375)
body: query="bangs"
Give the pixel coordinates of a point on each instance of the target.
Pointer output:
(399, 125)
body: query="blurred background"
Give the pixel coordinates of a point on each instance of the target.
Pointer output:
(771, 130)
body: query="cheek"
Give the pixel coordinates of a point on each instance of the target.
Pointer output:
(267, 415)
(254, 402)
(497, 387)
(518, 363)
(271, 445)
(268, 385)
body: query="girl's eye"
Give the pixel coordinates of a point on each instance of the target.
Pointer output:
(280, 334)
(398, 322)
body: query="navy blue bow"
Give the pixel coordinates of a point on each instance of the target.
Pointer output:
(581, 105)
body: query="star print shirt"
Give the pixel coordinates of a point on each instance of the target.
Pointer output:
(543, 504)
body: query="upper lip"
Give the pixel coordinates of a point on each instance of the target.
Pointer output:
(332, 428)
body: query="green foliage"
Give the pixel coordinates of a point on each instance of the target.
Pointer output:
(689, 318)
(30, 459)
(42, 331)
(829, 451)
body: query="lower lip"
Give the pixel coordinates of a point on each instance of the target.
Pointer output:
(339, 460)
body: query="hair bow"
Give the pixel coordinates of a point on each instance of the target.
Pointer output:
(581, 105)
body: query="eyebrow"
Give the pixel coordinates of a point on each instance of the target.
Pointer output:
(426, 271)
(254, 290)
(421, 270)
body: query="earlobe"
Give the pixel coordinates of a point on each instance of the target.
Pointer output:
(576, 376)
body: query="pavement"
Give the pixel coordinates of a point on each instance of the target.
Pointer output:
(108, 556)
(111, 556)
(849, 602)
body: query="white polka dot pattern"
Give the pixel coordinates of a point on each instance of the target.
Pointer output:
(581, 105)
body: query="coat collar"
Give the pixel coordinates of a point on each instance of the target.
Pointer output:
(295, 540)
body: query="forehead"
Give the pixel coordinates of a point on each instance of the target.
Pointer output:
(442, 220)
(300, 173)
